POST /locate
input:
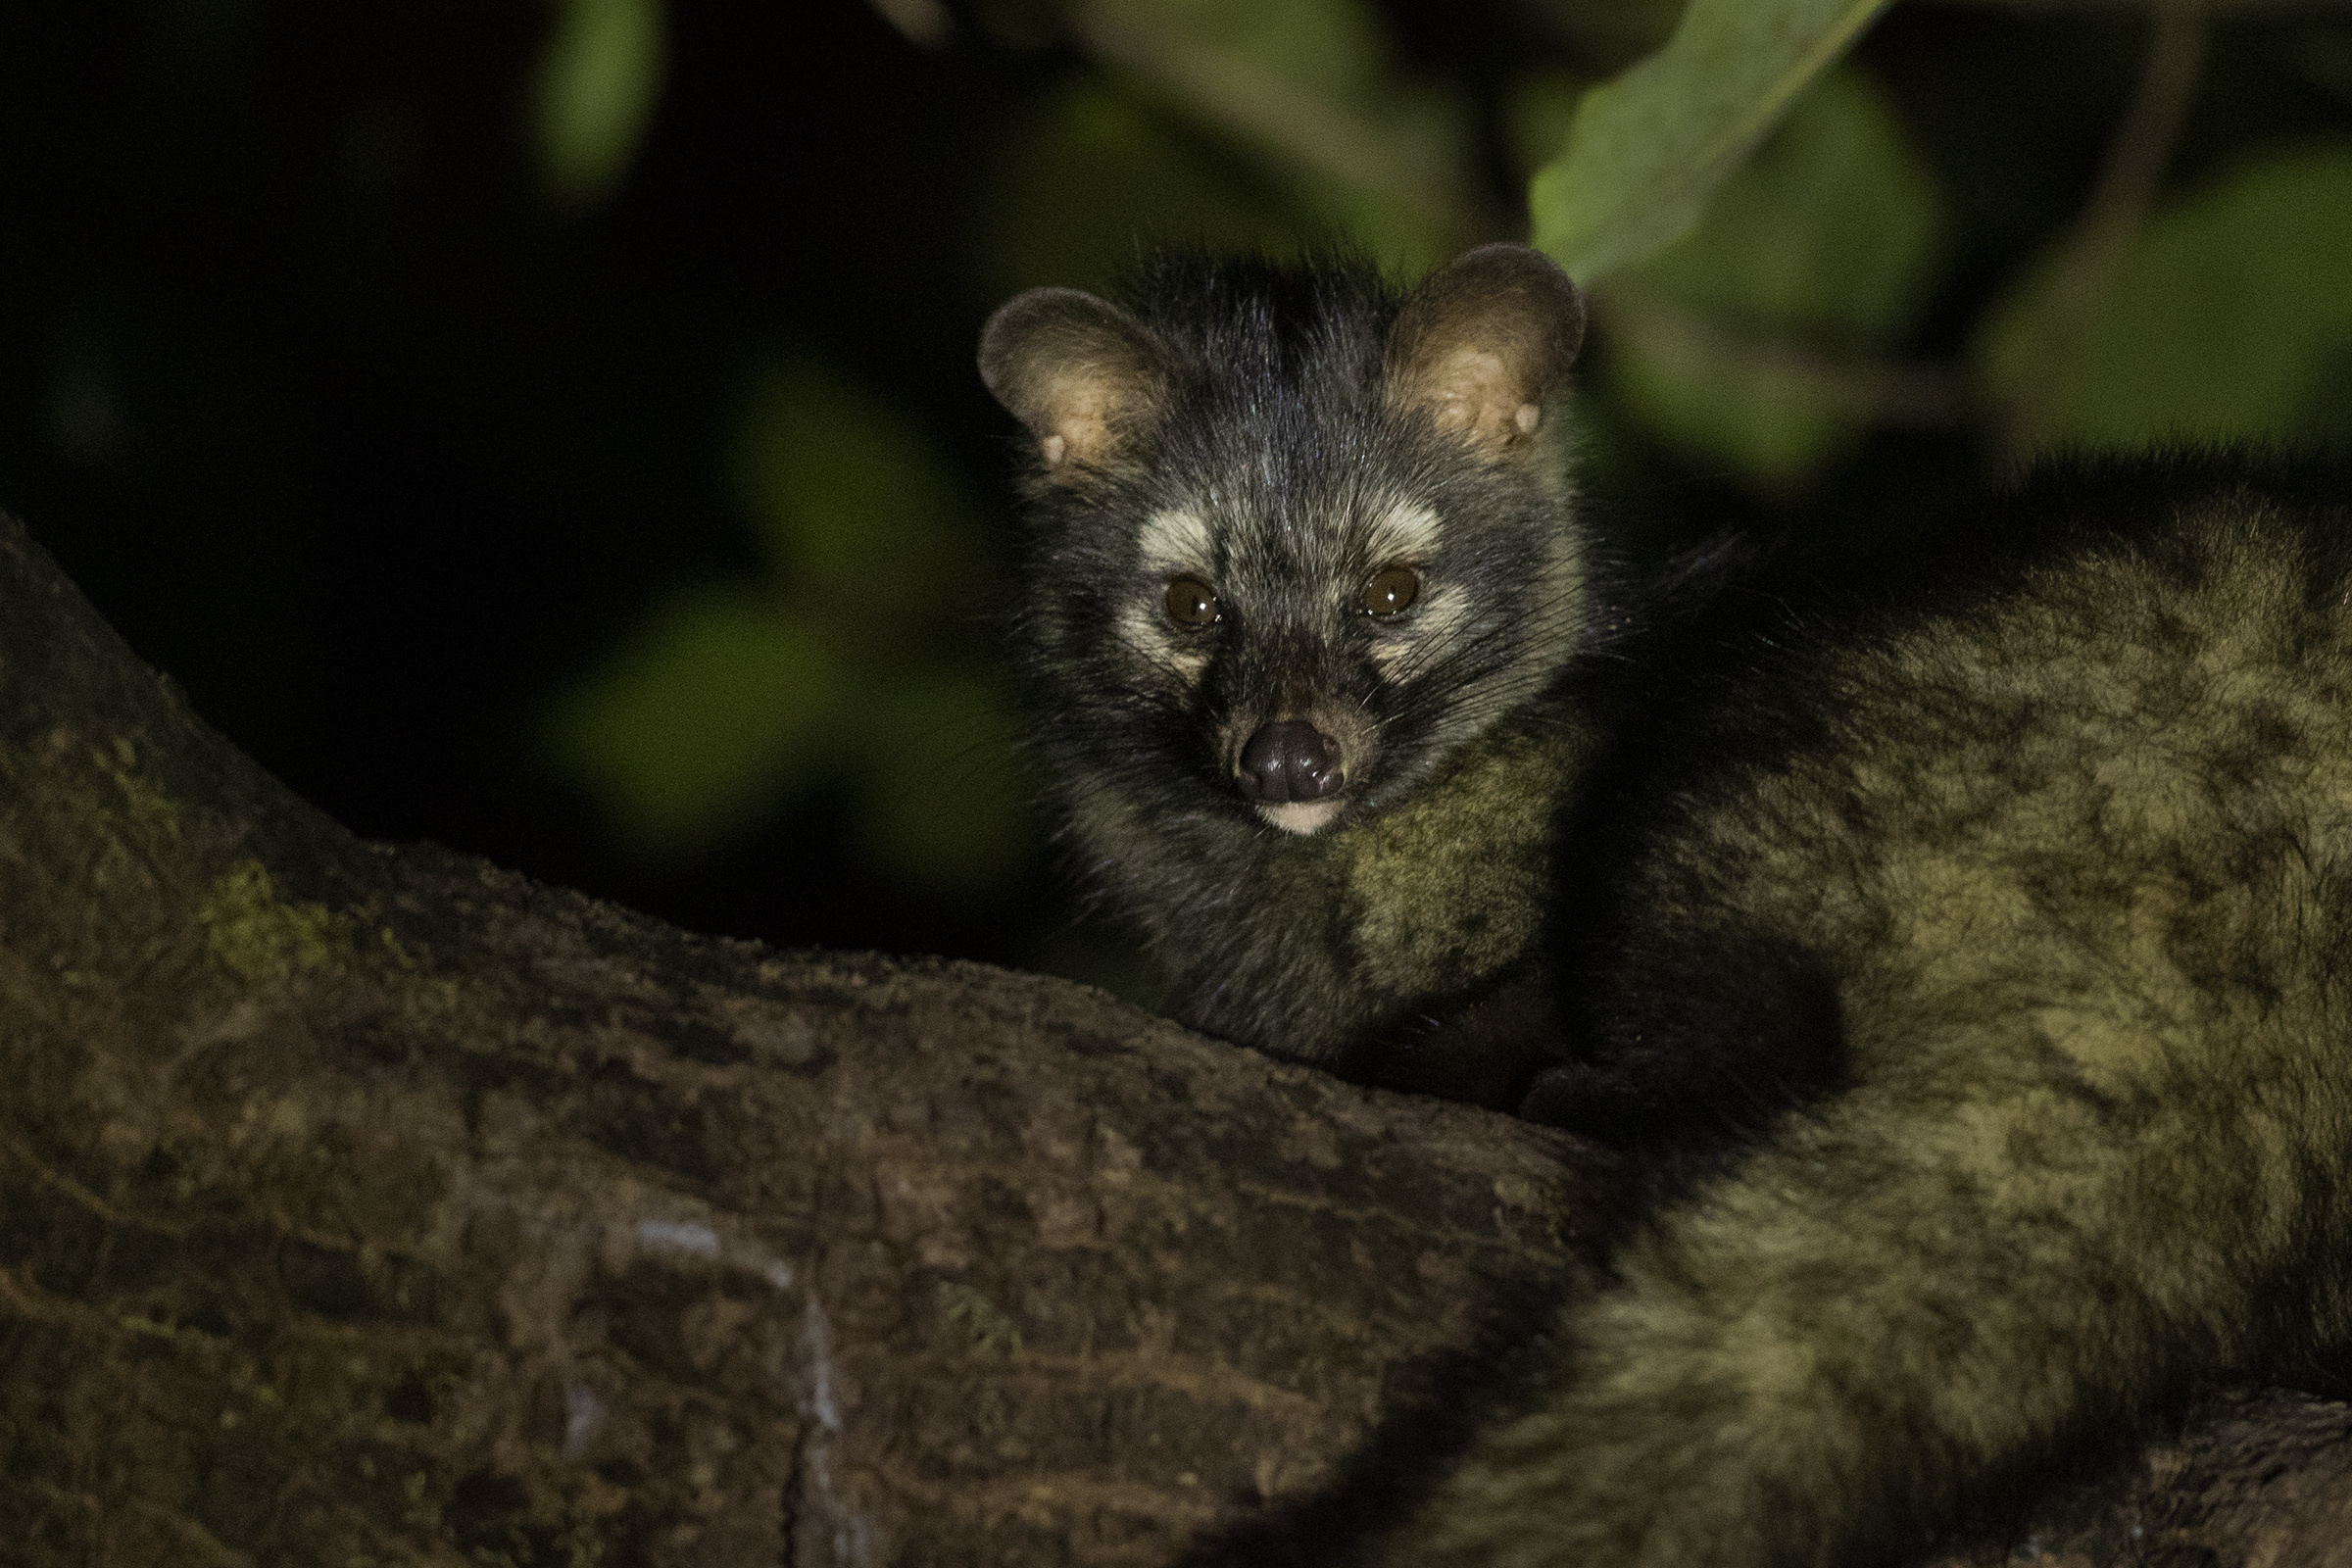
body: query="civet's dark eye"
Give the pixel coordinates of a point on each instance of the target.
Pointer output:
(1192, 603)
(1392, 592)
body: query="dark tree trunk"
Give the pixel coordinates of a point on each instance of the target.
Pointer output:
(363, 1207)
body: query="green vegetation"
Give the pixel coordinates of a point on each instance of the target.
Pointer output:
(260, 937)
(1798, 247)
(598, 84)
(856, 662)
(1648, 149)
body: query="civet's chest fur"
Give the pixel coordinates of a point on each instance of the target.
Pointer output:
(1988, 903)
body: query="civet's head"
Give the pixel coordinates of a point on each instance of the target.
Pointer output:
(1293, 536)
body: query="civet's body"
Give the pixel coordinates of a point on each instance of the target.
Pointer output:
(1980, 916)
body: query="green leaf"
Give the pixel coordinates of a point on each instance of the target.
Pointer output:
(1331, 48)
(2230, 317)
(1238, 124)
(1073, 185)
(1648, 149)
(1310, 88)
(855, 503)
(942, 802)
(705, 720)
(1737, 413)
(1823, 243)
(1829, 230)
(597, 86)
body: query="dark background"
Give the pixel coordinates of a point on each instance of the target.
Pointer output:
(350, 429)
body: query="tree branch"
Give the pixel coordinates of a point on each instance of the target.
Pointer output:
(372, 1205)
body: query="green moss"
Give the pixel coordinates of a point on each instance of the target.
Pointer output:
(260, 937)
(990, 1332)
(134, 821)
(413, 962)
(152, 1328)
(422, 1509)
(152, 815)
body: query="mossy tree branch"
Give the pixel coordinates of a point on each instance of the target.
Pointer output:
(374, 1207)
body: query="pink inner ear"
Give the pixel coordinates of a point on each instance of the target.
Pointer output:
(1476, 372)
(1481, 342)
(1080, 372)
(1079, 409)
(1476, 392)
(1467, 387)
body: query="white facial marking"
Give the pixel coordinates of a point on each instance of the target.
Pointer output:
(1441, 613)
(1527, 417)
(1300, 816)
(1175, 541)
(1140, 629)
(1405, 531)
(1053, 448)
(1444, 612)
(1144, 630)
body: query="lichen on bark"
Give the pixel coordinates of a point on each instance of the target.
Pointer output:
(374, 1207)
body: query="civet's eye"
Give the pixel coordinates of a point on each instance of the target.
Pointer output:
(1192, 603)
(1392, 592)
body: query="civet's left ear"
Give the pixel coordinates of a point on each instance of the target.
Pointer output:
(1483, 341)
(1083, 376)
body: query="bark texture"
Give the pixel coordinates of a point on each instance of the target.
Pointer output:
(363, 1206)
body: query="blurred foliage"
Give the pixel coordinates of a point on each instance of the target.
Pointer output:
(1766, 241)
(1825, 237)
(859, 663)
(1647, 150)
(629, 345)
(597, 82)
(1229, 123)
(1607, 34)
(1093, 165)
(2231, 317)
(1828, 232)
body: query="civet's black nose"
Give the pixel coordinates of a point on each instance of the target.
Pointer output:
(1289, 760)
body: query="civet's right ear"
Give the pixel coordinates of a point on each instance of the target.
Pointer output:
(1481, 342)
(1080, 372)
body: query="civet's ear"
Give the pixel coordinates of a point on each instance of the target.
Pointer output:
(1080, 372)
(1481, 342)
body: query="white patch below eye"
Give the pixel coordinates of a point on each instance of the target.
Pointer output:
(1437, 619)
(1528, 416)
(1144, 631)
(1300, 816)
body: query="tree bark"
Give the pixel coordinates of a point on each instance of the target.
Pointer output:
(371, 1206)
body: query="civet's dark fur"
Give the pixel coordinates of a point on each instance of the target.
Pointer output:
(1988, 899)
